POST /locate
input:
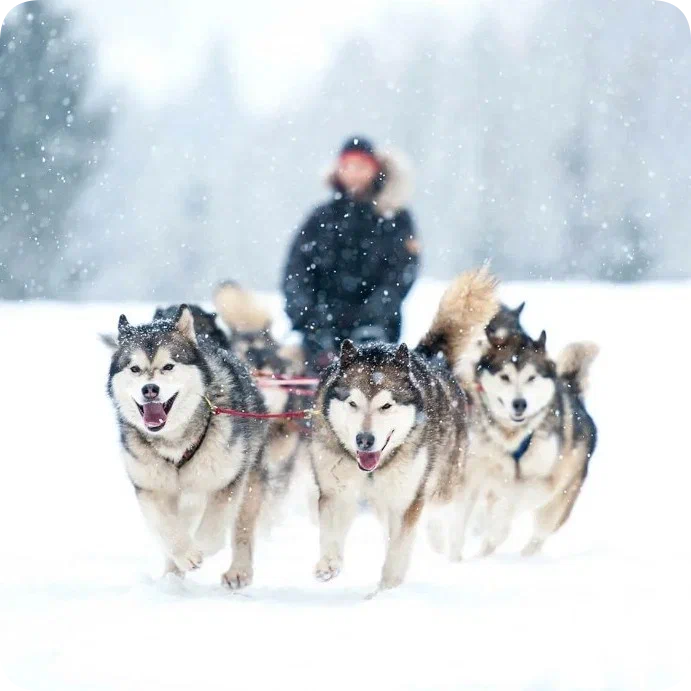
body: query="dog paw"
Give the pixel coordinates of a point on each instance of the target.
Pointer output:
(328, 568)
(188, 560)
(389, 583)
(236, 577)
(488, 550)
(172, 570)
(531, 549)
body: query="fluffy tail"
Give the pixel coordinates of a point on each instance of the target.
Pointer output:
(573, 365)
(469, 302)
(239, 309)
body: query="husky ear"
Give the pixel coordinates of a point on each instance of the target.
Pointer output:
(402, 356)
(348, 352)
(541, 343)
(184, 323)
(518, 310)
(124, 328)
(109, 340)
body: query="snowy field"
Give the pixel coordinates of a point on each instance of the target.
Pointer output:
(606, 607)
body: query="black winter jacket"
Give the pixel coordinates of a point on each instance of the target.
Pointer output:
(349, 266)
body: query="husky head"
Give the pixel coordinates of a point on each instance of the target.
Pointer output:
(157, 374)
(371, 401)
(516, 377)
(205, 326)
(503, 325)
(260, 351)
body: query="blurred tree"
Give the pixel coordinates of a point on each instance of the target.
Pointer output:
(50, 141)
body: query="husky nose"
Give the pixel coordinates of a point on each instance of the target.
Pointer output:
(519, 405)
(364, 441)
(150, 391)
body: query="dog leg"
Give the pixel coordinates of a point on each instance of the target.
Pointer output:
(401, 540)
(160, 512)
(499, 515)
(549, 518)
(436, 535)
(214, 529)
(240, 573)
(336, 514)
(461, 512)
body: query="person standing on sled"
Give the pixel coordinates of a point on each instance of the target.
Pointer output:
(355, 258)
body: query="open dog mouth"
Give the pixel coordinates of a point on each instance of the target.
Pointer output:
(369, 460)
(155, 413)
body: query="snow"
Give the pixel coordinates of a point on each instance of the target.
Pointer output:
(605, 607)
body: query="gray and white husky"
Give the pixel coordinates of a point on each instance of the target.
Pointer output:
(391, 428)
(198, 477)
(531, 437)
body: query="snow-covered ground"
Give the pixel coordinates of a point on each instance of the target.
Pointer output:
(605, 607)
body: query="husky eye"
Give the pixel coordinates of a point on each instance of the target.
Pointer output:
(386, 406)
(135, 369)
(505, 377)
(167, 368)
(352, 404)
(531, 378)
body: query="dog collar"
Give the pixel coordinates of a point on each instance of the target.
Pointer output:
(190, 451)
(522, 449)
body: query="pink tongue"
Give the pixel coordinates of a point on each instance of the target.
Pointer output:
(154, 415)
(368, 459)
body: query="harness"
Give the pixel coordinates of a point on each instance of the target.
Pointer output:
(522, 449)
(189, 452)
(305, 414)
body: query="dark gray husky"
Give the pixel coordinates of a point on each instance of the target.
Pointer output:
(392, 429)
(198, 477)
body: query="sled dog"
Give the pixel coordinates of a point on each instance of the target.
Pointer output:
(531, 437)
(198, 477)
(391, 428)
(250, 323)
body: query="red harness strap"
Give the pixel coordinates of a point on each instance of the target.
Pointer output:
(288, 388)
(284, 380)
(293, 415)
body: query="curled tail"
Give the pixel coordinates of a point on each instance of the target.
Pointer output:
(573, 365)
(240, 309)
(468, 303)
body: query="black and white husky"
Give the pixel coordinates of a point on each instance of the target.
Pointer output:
(198, 477)
(390, 428)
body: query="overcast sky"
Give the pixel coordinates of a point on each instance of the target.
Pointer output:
(276, 47)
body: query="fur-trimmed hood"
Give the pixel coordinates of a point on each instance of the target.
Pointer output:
(396, 188)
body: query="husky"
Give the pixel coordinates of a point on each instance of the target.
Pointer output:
(531, 437)
(250, 325)
(391, 428)
(197, 476)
